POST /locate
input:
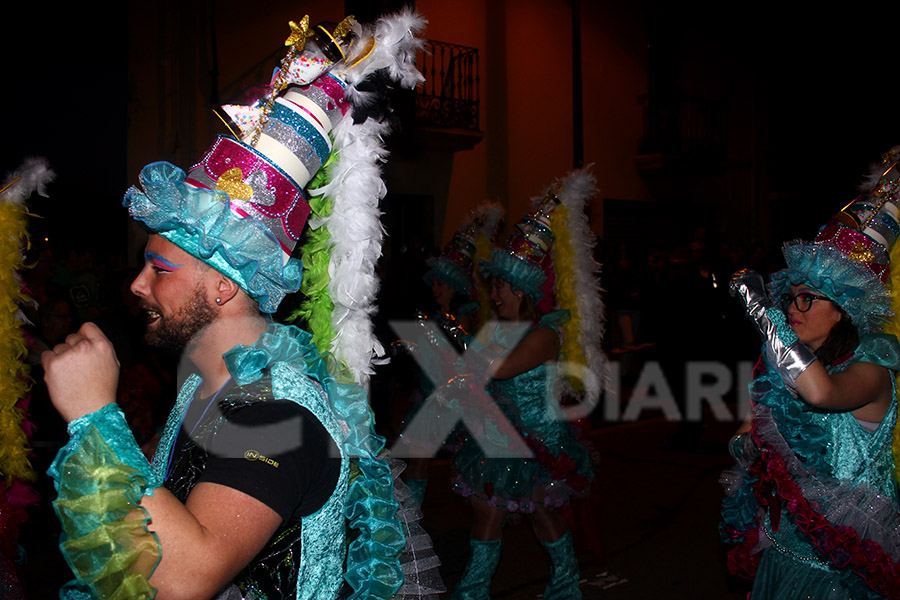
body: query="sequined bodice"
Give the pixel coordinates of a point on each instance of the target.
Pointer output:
(853, 452)
(528, 398)
(859, 455)
(304, 558)
(273, 573)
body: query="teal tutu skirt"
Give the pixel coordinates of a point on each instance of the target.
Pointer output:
(559, 467)
(781, 577)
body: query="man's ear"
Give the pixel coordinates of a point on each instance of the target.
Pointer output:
(226, 290)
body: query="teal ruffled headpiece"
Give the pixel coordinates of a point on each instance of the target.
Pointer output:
(200, 222)
(521, 274)
(525, 259)
(442, 269)
(849, 284)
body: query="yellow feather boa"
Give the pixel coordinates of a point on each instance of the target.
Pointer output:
(15, 381)
(563, 255)
(893, 327)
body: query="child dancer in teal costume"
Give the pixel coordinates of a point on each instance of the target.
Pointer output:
(269, 455)
(812, 505)
(526, 458)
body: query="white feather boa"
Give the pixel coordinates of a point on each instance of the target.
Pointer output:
(492, 213)
(32, 176)
(876, 170)
(356, 188)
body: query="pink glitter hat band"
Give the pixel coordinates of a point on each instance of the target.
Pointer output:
(256, 188)
(858, 247)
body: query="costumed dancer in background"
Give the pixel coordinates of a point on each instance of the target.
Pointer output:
(269, 451)
(526, 458)
(451, 276)
(812, 505)
(16, 491)
(463, 303)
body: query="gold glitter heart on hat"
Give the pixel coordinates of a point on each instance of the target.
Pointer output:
(860, 253)
(232, 183)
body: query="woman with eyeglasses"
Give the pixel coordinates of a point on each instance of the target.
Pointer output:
(812, 505)
(817, 320)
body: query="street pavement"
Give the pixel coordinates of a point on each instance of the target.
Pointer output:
(657, 513)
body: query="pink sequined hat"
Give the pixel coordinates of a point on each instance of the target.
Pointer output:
(849, 260)
(284, 138)
(243, 206)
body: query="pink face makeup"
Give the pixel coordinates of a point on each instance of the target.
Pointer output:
(160, 262)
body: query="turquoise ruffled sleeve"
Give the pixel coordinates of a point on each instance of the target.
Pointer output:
(100, 476)
(877, 348)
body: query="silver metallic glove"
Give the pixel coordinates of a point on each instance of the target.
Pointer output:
(783, 349)
(749, 287)
(429, 330)
(448, 394)
(453, 330)
(479, 358)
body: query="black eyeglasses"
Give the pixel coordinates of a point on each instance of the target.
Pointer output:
(803, 301)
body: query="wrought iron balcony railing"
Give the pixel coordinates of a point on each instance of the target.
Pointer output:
(447, 101)
(449, 96)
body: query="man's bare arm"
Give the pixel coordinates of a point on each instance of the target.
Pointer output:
(206, 541)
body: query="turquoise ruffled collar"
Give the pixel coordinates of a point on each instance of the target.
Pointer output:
(509, 333)
(280, 343)
(371, 508)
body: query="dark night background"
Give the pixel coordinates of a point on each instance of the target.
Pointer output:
(827, 82)
(65, 99)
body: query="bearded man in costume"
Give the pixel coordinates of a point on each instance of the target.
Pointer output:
(269, 447)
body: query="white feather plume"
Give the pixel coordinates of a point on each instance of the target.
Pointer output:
(492, 213)
(396, 43)
(356, 188)
(32, 176)
(876, 170)
(578, 187)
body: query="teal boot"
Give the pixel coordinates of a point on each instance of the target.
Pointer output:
(476, 580)
(417, 489)
(563, 583)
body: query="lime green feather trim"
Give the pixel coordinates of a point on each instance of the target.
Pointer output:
(317, 307)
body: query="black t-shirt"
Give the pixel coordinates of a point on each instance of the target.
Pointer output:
(275, 451)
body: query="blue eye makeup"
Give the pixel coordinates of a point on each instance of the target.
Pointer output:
(160, 262)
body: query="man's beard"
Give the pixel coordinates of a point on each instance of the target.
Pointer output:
(173, 334)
